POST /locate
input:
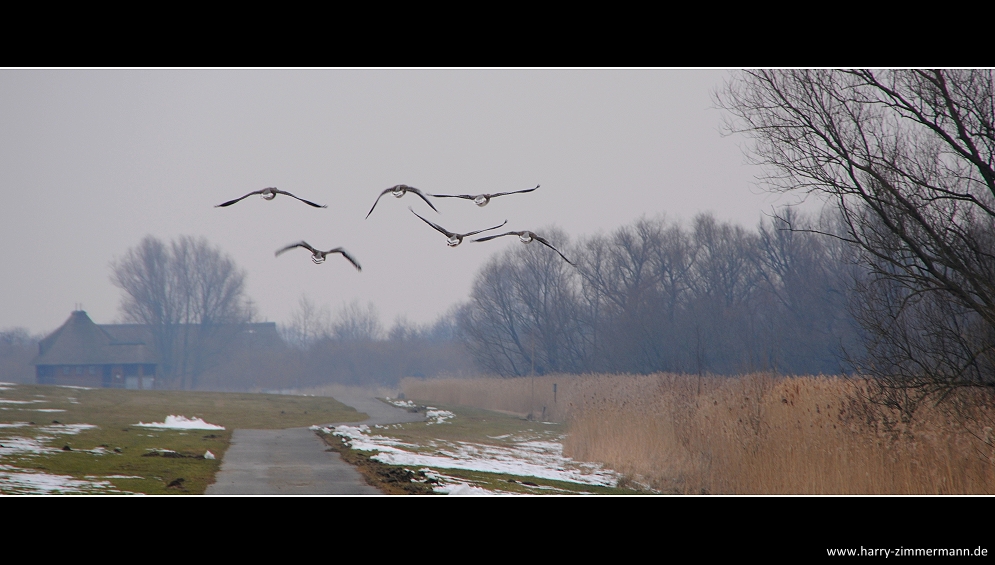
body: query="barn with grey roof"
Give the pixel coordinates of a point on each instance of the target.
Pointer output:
(81, 353)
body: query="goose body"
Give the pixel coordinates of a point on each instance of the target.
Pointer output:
(453, 239)
(481, 199)
(526, 236)
(269, 193)
(398, 191)
(318, 256)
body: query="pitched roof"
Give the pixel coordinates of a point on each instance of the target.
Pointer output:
(81, 342)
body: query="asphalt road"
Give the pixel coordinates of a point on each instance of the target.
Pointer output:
(295, 461)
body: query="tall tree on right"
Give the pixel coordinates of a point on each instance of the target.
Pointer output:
(907, 157)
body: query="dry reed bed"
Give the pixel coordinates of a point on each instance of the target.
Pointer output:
(754, 434)
(521, 396)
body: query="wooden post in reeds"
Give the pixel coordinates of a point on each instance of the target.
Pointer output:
(532, 403)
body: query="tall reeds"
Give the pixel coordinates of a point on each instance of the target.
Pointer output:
(753, 434)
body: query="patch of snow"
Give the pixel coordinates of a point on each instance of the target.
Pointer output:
(19, 445)
(357, 439)
(66, 429)
(76, 387)
(14, 425)
(402, 403)
(440, 416)
(5, 401)
(209, 455)
(43, 410)
(181, 423)
(451, 485)
(34, 482)
(463, 489)
(543, 459)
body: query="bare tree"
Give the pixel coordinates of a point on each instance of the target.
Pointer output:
(907, 158)
(622, 273)
(354, 323)
(17, 348)
(190, 295)
(491, 323)
(803, 295)
(308, 323)
(523, 312)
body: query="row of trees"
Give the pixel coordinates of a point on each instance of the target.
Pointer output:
(659, 296)
(652, 296)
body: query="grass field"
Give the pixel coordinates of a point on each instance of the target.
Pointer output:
(85, 441)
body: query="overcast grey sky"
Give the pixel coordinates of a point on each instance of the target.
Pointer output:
(93, 160)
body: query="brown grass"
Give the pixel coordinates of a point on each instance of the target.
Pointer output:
(754, 434)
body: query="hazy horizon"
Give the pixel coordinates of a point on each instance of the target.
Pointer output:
(95, 160)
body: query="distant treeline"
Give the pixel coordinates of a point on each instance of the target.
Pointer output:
(350, 347)
(660, 296)
(652, 296)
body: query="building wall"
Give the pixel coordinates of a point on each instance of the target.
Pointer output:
(97, 376)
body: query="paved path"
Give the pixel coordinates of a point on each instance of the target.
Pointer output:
(295, 461)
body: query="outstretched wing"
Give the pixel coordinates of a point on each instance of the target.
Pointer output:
(496, 236)
(293, 245)
(441, 229)
(467, 196)
(305, 201)
(345, 254)
(514, 192)
(422, 195)
(230, 202)
(488, 229)
(378, 200)
(543, 241)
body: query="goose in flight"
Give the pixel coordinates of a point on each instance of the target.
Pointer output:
(399, 191)
(481, 199)
(319, 256)
(454, 239)
(269, 194)
(527, 237)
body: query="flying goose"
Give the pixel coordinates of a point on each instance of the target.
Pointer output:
(454, 238)
(481, 199)
(399, 191)
(527, 237)
(269, 194)
(319, 256)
